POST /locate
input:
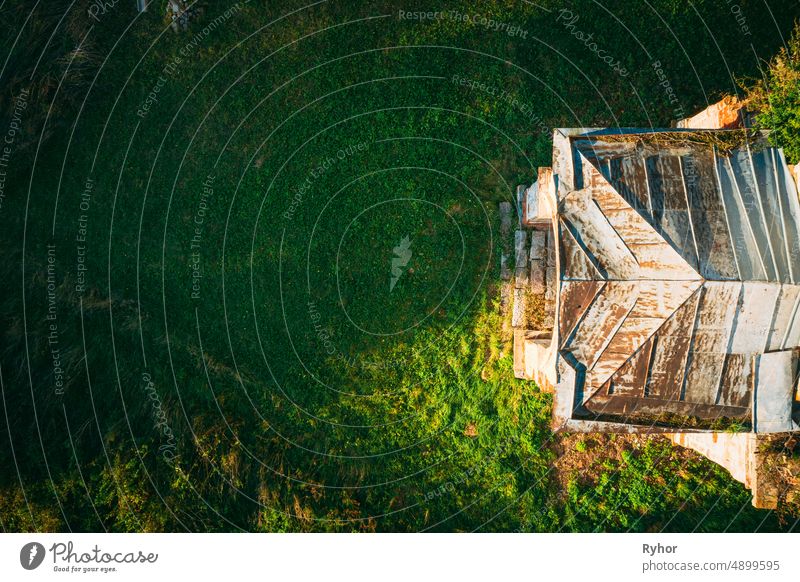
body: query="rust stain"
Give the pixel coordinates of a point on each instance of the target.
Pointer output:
(660, 307)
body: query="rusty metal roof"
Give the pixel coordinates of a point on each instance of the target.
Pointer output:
(679, 267)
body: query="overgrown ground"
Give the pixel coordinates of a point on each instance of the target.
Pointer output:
(225, 257)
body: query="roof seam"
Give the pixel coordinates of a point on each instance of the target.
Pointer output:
(650, 337)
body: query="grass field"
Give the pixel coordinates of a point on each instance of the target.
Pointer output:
(200, 329)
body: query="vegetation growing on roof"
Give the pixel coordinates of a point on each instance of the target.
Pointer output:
(676, 421)
(724, 142)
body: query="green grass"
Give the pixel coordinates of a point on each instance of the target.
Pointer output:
(298, 391)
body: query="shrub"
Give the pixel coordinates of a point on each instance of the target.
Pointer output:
(776, 99)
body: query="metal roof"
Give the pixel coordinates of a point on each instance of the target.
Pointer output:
(679, 264)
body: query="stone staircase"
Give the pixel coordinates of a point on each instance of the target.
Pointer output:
(532, 283)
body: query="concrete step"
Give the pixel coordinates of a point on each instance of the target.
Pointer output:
(518, 310)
